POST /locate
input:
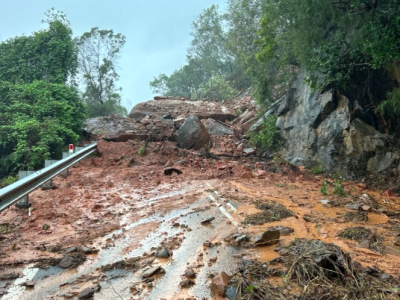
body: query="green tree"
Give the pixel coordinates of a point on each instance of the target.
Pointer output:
(208, 46)
(99, 51)
(39, 109)
(36, 121)
(49, 55)
(217, 88)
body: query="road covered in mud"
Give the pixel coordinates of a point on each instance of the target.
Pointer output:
(175, 224)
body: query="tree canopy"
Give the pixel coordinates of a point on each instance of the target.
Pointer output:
(40, 109)
(99, 51)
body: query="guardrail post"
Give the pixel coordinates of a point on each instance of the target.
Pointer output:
(65, 172)
(24, 201)
(48, 185)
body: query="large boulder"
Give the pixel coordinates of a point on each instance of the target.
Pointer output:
(120, 129)
(178, 108)
(192, 134)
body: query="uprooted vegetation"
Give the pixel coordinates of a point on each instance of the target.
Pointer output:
(272, 211)
(361, 234)
(312, 270)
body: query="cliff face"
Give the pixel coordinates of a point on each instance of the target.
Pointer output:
(326, 128)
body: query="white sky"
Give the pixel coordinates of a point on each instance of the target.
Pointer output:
(157, 32)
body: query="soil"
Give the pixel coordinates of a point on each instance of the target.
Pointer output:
(126, 207)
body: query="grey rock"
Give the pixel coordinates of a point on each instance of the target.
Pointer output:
(178, 108)
(249, 151)
(354, 206)
(269, 237)
(120, 129)
(151, 271)
(283, 230)
(207, 220)
(192, 134)
(186, 283)
(207, 244)
(71, 249)
(86, 293)
(162, 253)
(365, 244)
(242, 239)
(189, 273)
(327, 127)
(29, 283)
(71, 260)
(88, 250)
(381, 162)
(68, 295)
(217, 128)
(325, 201)
(8, 276)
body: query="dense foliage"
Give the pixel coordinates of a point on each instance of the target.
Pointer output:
(40, 111)
(349, 45)
(36, 121)
(98, 53)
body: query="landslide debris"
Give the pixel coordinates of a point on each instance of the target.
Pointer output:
(312, 270)
(272, 211)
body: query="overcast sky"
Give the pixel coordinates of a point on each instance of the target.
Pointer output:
(157, 32)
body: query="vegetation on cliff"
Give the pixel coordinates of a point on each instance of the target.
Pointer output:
(352, 46)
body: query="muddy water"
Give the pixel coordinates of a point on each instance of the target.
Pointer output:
(325, 221)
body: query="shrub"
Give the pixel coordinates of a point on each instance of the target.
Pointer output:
(268, 138)
(142, 151)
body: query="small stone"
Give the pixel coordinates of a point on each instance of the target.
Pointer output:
(219, 284)
(29, 283)
(207, 220)
(354, 206)
(68, 295)
(86, 294)
(9, 276)
(186, 283)
(385, 277)
(241, 239)
(189, 273)
(325, 201)
(365, 244)
(207, 244)
(71, 249)
(151, 271)
(162, 253)
(213, 259)
(249, 151)
(169, 171)
(269, 237)
(88, 250)
(366, 208)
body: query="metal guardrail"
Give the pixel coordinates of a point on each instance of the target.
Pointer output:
(14, 192)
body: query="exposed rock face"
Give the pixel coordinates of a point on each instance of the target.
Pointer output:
(178, 108)
(120, 129)
(192, 134)
(326, 127)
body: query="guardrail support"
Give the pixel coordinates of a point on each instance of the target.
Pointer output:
(48, 185)
(24, 201)
(31, 180)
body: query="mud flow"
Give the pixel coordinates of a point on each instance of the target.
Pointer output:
(129, 226)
